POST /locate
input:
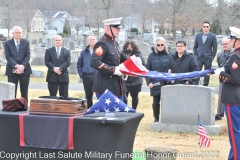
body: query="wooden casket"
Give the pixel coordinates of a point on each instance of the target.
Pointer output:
(46, 106)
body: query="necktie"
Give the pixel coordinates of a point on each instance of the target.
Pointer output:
(17, 45)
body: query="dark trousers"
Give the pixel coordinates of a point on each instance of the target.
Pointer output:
(156, 99)
(134, 99)
(53, 88)
(87, 84)
(233, 121)
(220, 111)
(23, 81)
(207, 65)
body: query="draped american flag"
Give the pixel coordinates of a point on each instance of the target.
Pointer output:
(132, 67)
(204, 140)
(108, 102)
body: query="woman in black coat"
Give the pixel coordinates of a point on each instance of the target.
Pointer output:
(157, 61)
(133, 84)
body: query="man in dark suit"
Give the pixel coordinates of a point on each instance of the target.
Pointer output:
(57, 59)
(205, 49)
(17, 52)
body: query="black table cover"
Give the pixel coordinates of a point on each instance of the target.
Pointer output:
(93, 138)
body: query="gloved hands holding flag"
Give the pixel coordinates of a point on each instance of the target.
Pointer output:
(117, 70)
(218, 71)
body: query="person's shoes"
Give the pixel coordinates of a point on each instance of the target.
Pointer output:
(218, 118)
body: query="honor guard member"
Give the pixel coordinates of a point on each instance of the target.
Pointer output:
(106, 58)
(231, 94)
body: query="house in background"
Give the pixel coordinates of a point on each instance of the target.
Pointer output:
(55, 20)
(38, 22)
(52, 20)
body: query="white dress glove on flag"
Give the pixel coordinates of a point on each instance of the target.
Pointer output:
(218, 71)
(117, 70)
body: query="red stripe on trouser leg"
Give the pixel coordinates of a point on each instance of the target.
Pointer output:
(234, 147)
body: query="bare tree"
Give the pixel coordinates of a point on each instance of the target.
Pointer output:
(181, 14)
(235, 13)
(8, 14)
(27, 11)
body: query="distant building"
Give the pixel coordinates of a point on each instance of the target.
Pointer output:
(38, 22)
(52, 20)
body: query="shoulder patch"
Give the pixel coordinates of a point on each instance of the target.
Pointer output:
(234, 65)
(99, 51)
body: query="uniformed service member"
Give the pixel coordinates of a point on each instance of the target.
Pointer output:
(231, 94)
(106, 58)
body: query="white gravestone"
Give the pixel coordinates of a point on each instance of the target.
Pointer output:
(180, 106)
(7, 91)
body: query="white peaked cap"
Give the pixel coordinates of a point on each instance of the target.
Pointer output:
(113, 22)
(235, 31)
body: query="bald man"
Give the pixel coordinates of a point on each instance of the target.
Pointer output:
(57, 59)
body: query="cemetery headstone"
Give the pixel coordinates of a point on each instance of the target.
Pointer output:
(79, 43)
(74, 55)
(7, 91)
(71, 46)
(66, 42)
(40, 40)
(72, 38)
(184, 109)
(84, 40)
(48, 43)
(36, 74)
(145, 49)
(160, 153)
(34, 41)
(181, 114)
(38, 56)
(72, 69)
(4, 61)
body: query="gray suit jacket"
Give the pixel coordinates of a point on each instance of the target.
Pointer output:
(205, 51)
(21, 57)
(52, 61)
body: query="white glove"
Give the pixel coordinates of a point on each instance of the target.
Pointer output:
(117, 70)
(218, 71)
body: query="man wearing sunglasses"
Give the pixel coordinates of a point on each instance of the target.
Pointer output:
(106, 58)
(205, 49)
(230, 96)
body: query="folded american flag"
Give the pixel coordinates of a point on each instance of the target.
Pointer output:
(133, 68)
(108, 102)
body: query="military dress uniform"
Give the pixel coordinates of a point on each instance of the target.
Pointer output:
(231, 99)
(106, 56)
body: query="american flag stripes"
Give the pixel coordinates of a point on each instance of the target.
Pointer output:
(204, 140)
(132, 67)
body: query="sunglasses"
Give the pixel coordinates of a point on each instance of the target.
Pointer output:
(160, 45)
(231, 37)
(205, 26)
